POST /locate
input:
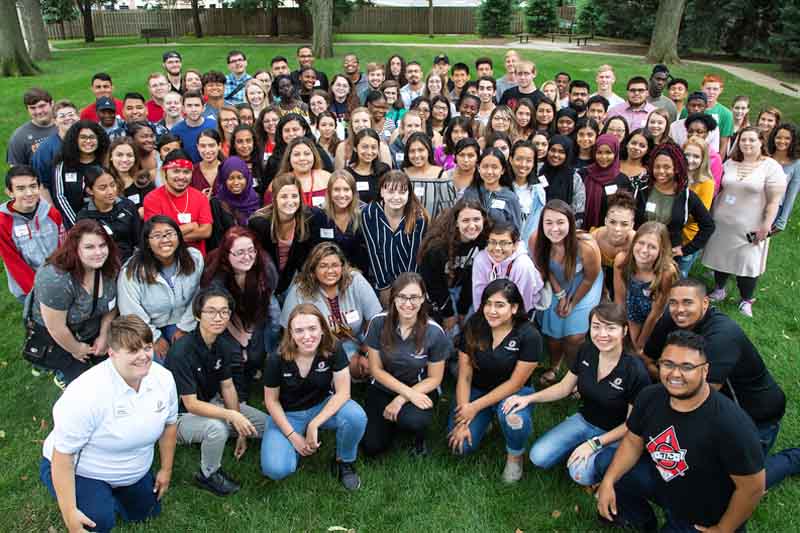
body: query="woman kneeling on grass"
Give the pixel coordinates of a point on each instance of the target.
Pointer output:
(498, 353)
(297, 385)
(609, 377)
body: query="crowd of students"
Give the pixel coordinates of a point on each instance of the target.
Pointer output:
(287, 230)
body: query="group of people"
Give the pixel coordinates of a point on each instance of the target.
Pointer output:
(300, 234)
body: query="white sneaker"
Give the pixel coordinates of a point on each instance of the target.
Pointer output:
(512, 472)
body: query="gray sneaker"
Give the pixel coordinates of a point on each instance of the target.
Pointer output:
(346, 473)
(512, 472)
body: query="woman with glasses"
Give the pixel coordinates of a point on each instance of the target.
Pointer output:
(344, 297)
(159, 282)
(407, 354)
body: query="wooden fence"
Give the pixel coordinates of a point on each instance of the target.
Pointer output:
(291, 21)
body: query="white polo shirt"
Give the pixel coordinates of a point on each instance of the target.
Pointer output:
(110, 428)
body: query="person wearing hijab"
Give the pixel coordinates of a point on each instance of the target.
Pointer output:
(599, 179)
(233, 200)
(566, 119)
(559, 178)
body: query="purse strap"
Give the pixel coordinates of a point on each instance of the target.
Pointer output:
(95, 290)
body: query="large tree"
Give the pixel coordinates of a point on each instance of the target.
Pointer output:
(198, 26)
(14, 57)
(59, 11)
(322, 15)
(85, 7)
(664, 41)
(33, 29)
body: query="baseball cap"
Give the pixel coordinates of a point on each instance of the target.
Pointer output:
(170, 55)
(441, 58)
(660, 68)
(104, 102)
(697, 95)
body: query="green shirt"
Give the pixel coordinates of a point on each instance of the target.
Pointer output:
(659, 206)
(722, 115)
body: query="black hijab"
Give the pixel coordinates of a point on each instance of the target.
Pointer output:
(559, 178)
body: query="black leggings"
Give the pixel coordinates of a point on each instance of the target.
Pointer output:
(380, 432)
(747, 286)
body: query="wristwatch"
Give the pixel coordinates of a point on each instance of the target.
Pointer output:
(596, 444)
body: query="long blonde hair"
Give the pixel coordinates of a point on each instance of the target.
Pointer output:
(703, 172)
(663, 262)
(353, 210)
(327, 344)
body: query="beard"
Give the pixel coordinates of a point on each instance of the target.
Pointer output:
(689, 394)
(579, 106)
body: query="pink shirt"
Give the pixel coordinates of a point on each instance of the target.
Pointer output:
(636, 118)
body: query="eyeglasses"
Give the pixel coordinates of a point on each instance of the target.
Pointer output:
(684, 368)
(236, 60)
(87, 137)
(212, 313)
(229, 120)
(637, 90)
(69, 114)
(403, 299)
(248, 252)
(499, 244)
(169, 235)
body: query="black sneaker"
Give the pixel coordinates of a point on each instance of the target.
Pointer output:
(420, 448)
(218, 483)
(346, 473)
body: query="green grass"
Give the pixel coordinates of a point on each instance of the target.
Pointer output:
(437, 494)
(774, 70)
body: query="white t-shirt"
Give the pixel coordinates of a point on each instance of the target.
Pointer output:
(110, 428)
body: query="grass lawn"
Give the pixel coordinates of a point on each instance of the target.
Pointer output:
(436, 494)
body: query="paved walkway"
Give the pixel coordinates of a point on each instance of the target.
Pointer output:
(758, 78)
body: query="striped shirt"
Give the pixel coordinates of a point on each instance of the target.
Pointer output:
(391, 252)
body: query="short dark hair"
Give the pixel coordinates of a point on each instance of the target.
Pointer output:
(692, 284)
(598, 99)
(35, 95)
(461, 66)
(206, 294)
(17, 171)
(103, 76)
(562, 73)
(676, 81)
(683, 338)
(484, 61)
(129, 332)
(212, 76)
(580, 84)
(278, 59)
(133, 96)
(304, 46)
(233, 53)
(636, 79)
(193, 94)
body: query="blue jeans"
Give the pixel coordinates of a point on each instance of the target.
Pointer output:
(167, 333)
(558, 443)
(100, 502)
(516, 439)
(781, 465)
(685, 263)
(279, 459)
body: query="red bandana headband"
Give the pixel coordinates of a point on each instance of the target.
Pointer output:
(178, 163)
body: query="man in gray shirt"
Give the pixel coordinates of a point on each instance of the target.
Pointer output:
(658, 81)
(27, 138)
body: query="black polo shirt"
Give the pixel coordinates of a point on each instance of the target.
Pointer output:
(198, 369)
(494, 366)
(605, 403)
(403, 361)
(695, 453)
(367, 184)
(298, 393)
(734, 363)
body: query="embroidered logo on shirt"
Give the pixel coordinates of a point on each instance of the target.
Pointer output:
(419, 355)
(584, 362)
(616, 384)
(218, 364)
(287, 374)
(322, 366)
(666, 452)
(512, 346)
(160, 406)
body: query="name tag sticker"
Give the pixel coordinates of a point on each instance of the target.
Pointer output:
(399, 157)
(134, 198)
(71, 177)
(351, 316)
(419, 191)
(362, 186)
(317, 201)
(326, 233)
(317, 83)
(184, 218)
(21, 231)
(112, 304)
(650, 207)
(498, 204)
(610, 189)
(543, 182)
(730, 199)
(108, 229)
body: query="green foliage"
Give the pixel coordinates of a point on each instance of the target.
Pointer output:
(786, 42)
(58, 11)
(590, 18)
(494, 17)
(541, 16)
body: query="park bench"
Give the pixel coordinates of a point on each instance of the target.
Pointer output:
(584, 38)
(153, 33)
(524, 37)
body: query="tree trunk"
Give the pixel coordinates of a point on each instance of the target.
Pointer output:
(35, 32)
(63, 28)
(14, 57)
(322, 14)
(85, 7)
(430, 19)
(664, 41)
(198, 26)
(274, 31)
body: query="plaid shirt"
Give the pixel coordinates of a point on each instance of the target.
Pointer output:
(231, 83)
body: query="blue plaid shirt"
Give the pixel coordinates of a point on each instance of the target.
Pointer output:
(231, 83)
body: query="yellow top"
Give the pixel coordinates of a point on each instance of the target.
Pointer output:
(704, 191)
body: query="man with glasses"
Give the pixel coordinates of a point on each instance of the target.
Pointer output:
(173, 63)
(736, 368)
(237, 77)
(655, 88)
(305, 59)
(688, 448)
(66, 114)
(636, 109)
(158, 86)
(210, 411)
(27, 138)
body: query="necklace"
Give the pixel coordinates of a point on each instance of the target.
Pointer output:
(181, 214)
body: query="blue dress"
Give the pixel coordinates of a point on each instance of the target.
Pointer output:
(577, 321)
(638, 300)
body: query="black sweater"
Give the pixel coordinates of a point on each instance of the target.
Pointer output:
(435, 273)
(686, 204)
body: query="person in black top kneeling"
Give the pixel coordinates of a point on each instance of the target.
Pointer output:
(297, 393)
(705, 466)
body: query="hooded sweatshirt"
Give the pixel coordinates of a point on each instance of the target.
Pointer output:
(25, 243)
(518, 267)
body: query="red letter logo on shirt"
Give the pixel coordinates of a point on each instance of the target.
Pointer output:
(666, 452)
